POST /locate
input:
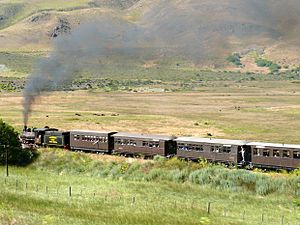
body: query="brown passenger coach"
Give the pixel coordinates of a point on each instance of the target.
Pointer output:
(215, 150)
(148, 145)
(275, 155)
(95, 141)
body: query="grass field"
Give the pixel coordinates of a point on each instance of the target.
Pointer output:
(40, 194)
(265, 111)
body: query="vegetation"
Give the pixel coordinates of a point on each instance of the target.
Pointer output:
(9, 141)
(235, 58)
(114, 190)
(173, 170)
(274, 68)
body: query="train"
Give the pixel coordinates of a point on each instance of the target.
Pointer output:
(240, 153)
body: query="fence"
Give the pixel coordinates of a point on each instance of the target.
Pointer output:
(74, 193)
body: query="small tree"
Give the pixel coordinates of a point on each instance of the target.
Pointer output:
(235, 59)
(9, 141)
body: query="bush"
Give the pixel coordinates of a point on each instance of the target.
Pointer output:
(9, 141)
(274, 68)
(235, 59)
(263, 63)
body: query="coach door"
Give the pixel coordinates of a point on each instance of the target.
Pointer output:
(244, 154)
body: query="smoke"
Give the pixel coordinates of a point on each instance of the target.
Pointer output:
(79, 52)
(191, 29)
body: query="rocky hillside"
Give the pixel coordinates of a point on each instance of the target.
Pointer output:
(204, 32)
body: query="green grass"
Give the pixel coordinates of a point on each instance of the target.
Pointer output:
(17, 10)
(19, 64)
(111, 190)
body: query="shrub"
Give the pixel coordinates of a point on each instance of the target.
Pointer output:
(274, 68)
(235, 58)
(16, 155)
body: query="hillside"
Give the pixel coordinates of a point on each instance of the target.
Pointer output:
(202, 32)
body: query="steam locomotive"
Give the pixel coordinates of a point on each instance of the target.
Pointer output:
(234, 152)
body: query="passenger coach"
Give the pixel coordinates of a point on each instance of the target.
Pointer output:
(269, 155)
(214, 150)
(148, 145)
(94, 141)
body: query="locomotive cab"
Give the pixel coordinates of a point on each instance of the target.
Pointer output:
(40, 133)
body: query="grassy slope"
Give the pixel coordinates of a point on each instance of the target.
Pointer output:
(100, 197)
(22, 35)
(30, 7)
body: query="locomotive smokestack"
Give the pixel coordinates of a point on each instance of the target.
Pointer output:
(25, 128)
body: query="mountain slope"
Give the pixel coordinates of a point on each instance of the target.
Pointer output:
(204, 32)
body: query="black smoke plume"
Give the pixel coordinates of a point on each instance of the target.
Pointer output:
(79, 52)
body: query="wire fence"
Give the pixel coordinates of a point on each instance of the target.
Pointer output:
(79, 193)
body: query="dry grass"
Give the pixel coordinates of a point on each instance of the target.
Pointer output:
(268, 112)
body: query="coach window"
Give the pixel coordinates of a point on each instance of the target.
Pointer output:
(212, 148)
(104, 139)
(266, 152)
(145, 144)
(226, 149)
(199, 148)
(76, 137)
(182, 147)
(276, 153)
(218, 149)
(190, 147)
(286, 154)
(296, 155)
(155, 144)
(256, 152)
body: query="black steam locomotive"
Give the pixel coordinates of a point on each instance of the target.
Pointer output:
(236, 152)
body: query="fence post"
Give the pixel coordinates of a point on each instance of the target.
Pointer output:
(26, 186)
(225, 212)
(133, 200)
(16, 184)
(208, 207)
(192, 205)
(262, 217)
(282, 220)
(70, 191)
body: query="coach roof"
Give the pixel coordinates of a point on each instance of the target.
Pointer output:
(211, 141)
(144, 136)
(274, 145)
(87, 132)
